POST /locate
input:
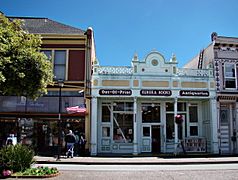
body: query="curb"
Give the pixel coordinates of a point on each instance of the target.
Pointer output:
(138, 163)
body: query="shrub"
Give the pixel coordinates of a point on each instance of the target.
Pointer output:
(40, 171)
(16, 157)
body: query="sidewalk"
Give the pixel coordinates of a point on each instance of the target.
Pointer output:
(135, 160)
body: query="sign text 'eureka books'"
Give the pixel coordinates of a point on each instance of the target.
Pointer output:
(155, 92)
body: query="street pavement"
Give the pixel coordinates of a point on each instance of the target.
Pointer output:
(136, 160)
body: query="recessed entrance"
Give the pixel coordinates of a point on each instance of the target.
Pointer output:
(155, 139)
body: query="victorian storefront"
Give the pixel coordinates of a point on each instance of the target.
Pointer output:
(134, 108)
(42, 123)
(36, 123)
(222, 56)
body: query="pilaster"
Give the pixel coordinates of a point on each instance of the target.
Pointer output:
(94, 120)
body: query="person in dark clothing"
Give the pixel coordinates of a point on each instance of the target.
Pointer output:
(82, 142)
(76, 145)
(70, 140)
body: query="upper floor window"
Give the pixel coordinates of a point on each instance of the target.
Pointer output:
(48, 53)
(230, 76)
(59, 64)
(59, 59)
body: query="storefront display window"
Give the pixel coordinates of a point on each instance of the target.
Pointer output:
(169, 106)
(150, 113)
(8, 127)
(170, 126)
(193, 114)
(106, 113)
(123, 128)
(26, 131)
(122, 106)
(181, 106)
(46, 132)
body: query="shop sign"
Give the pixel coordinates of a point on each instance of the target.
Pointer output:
(193, 93)
(195, 144)
(155, 92)
(113, 92)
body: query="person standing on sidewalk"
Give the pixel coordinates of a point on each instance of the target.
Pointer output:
(82, 142)
(70, 140)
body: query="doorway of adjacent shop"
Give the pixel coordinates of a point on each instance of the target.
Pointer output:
(155, 139)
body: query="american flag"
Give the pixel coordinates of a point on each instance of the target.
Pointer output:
(76, 109)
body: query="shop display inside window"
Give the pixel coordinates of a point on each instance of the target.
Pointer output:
(123, 128)
(26, 130)
(169, 106)
(170, 126)
(193, 114)
(123, 106)
(181, 106)
(106, 113)
(170, 133)
(150, 113)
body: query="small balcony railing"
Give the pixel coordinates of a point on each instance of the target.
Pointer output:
(123, 70)
(195, 72)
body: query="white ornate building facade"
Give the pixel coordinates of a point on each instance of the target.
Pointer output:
(134, 108)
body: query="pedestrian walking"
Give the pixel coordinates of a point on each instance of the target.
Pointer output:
(70, 140)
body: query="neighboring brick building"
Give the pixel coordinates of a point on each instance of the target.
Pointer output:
(222, 56)
(72, 52)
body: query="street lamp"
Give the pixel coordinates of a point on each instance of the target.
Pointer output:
(60, 84)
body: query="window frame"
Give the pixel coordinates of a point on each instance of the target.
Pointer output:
(193, 123)
(227, 77)
(60, 65)
(153, 115)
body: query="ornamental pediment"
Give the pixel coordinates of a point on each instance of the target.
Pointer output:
(154, 63)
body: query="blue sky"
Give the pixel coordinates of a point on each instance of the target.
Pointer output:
(123, 27)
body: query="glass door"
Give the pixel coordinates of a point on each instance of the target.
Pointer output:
(146, 138)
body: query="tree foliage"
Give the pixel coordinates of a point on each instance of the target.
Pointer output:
(24, 70)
